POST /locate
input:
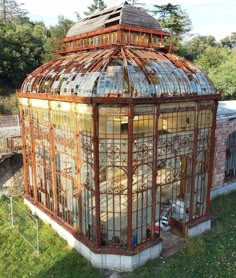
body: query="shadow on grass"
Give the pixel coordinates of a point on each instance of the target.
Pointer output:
(72, 265)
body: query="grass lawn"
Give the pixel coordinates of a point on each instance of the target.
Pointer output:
(211, 255)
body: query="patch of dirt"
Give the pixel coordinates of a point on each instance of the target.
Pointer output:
(11, 176)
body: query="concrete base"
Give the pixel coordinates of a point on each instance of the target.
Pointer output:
(223, 189)
(199, 229)
(109, 261)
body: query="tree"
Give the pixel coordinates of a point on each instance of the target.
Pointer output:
(78, 16)
(21, 51)
(212, 58)
(11, 10)
(224, 77)
(97, 5)
(173, 19)
(195, 47)
(135, 3)
(229, 41)
(55, 34)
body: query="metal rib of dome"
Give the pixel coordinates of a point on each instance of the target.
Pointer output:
(119, 71)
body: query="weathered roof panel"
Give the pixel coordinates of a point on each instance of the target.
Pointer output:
(124, 14)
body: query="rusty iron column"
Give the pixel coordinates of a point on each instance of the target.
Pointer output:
(53, 165)
(194, 158)
(154, 169)
(96, 172)
(33, 166)
(25, 163)
(130, 175)
(78, 169)
(211, 157)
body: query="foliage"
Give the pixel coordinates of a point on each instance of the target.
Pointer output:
(212, 57)
(10, 11)
(54, 36)
(218, 62)
(8, 103)
(21, 51)
(173, 18)
(136, 3)
(97, 5)
(224, 76)
(197, 45)
(229, 41)
(25, 46)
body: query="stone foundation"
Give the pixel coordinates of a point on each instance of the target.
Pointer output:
(199, 228)
(223, 189)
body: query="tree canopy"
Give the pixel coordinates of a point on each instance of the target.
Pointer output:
(24, 46)
(97, 5)
(193, 48)
(21, 51)
(229, 41)
(55, 34)
(173, 19)
(10, 10)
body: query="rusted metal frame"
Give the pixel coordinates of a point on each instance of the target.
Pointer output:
(181, 63)
(25, 158)
(81, 49)
(112, 29)
(101, 46)
(96, 172)
(194, 160)
(178, 62)
(126, 71)
(35, 189)
(75, 99)
(36, 80)
(154, 170)
(99, 60)
(78, 167)
(55, 68)
(104, 249)
(53, 162)
(139, 62)
(115, 51)
(69, 66)
(119, 36)
(130, 175)
(143, 30)
(38, 74)
(121, 100)
(211, 158)
(82, 62)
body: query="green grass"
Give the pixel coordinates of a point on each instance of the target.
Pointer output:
(56, 258)
(8, 103)
(211, 255)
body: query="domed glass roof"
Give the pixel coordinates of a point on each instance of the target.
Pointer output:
(122, 71)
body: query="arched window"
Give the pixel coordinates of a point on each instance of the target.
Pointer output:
(230, 166)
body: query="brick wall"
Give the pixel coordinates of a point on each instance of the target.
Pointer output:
(224, 128)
